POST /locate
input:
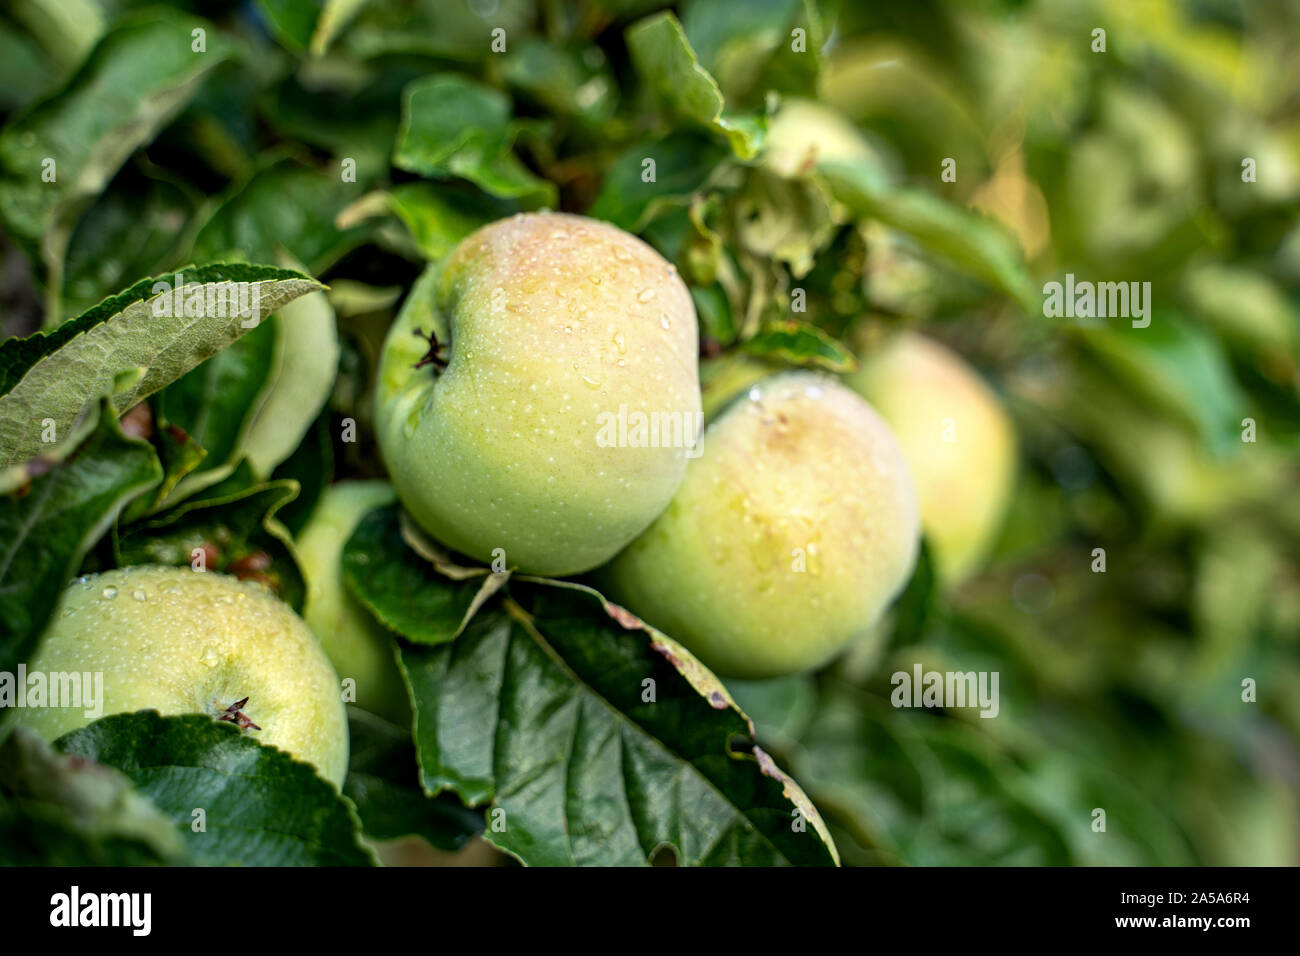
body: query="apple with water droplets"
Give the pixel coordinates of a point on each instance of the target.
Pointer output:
(501, 377)
(789, 537)
(194, 642)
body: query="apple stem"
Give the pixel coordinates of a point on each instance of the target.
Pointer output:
(235, 714)
(434, 356)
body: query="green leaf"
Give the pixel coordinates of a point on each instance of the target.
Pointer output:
(57, 810)
(914, 606)
(798, 343)
(312, 466)
(235, 528)
(179, 455)
(433, 28)
(59, 374)
(306, 362)
(1178, 367)
(355, 122)
(747, 44)
(135, 228)
(139, 76)
(966, 239)
(66, 29)
(439, 216)
(454, 127)
(717, 324)
(683, 164)
(574, 82)
(334, 18)
(668, 66)
(283, 207)
(48, 524)
(292, 21)
(602, 740)
(910, 788)
(403, 590)
(25, 71)
(384, 783)
(212, 403)
(261, 807)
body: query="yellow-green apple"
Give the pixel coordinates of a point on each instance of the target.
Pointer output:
(956, 436)
(516, 436)
(182, 642)
(790, 535)
(360, 648)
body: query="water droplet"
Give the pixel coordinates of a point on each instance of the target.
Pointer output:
(754, 394)
(210, 656)
(109, 592)
(813, 391)
(646, 295)
(664, 321)
(138, 594)
(590, 382)
(619, 343)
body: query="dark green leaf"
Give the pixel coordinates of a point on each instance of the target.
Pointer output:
(668, 66)
(261, 807)
(235, 528)
(133, 229)
(62, 811)
(48, 524)
(799, 343)
(384, 782)
(312, 467)
(285, 206)
(454, 127)
(747, 45)
(138, 77)
(634, 191)
(600, 741)
(401, 588)
(292, 21)
(211, 402)
(565, 81)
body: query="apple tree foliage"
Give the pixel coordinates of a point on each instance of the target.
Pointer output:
(328, 153)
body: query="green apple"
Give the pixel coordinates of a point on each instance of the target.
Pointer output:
(359, 647)
(182, 642)
(958, 440)
(789, 536)
(554, 329)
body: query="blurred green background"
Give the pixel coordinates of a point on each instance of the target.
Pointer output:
(1120, 691)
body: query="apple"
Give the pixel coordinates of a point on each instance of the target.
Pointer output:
(183, 642)
(498, 438)
(957, 438)
(358, 646)
(789, 537)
